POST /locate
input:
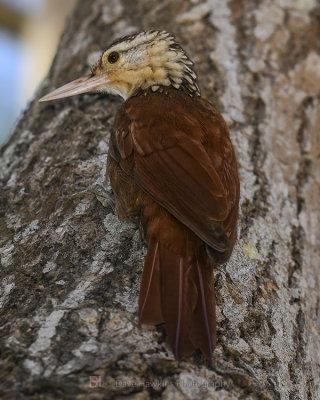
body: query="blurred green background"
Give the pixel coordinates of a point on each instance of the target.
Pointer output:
(29, 35)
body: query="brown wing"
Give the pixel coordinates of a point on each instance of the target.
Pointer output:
(164, 154)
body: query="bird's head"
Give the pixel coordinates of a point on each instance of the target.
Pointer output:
(150, 59)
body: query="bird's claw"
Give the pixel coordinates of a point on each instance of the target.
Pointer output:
(105, 198)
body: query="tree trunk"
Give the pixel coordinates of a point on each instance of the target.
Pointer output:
(70, 270)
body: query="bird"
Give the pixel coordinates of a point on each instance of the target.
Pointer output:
(173, 168)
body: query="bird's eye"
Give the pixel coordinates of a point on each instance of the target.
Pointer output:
(113, 57)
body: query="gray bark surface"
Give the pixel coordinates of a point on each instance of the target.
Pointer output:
(70, 270)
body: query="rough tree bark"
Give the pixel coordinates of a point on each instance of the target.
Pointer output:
(70, 270)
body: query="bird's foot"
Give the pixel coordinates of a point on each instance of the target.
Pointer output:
(69, 192)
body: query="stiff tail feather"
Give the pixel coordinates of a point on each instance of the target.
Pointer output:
(150, 311)
(180, 292)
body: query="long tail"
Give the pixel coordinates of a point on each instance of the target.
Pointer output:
(180, 292)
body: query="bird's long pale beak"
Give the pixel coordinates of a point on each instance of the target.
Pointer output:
(84, 84)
